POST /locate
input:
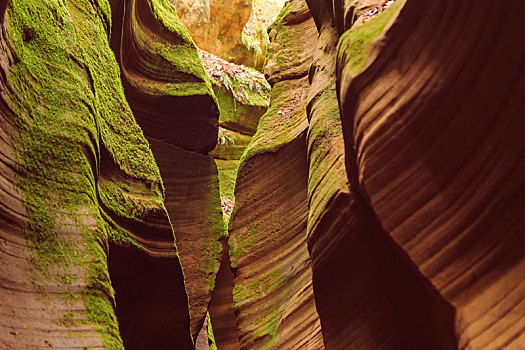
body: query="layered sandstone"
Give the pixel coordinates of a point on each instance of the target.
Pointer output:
(378, 203)
(356, 271)
(243, 96)
(433, 121)
(80, 193)
(172, 99)
(273, 296)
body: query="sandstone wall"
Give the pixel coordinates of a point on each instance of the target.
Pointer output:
(273, 296)
(432, 116)
(80, 191)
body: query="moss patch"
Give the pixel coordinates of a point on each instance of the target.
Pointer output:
(211, 336)
(177, 60)
(355, 42)
(70, 107)
(227, 177)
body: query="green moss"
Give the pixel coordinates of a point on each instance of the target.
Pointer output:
(250, 89)
(241, 114)
(127, 204)
(183, 71)
(355, 42)
(279, 125)
(327, 174)
(255, 33)
(70, 108)
(266, 325)
(212, 247)
(238, 245)
(227, 177)
(166, 14)
(211, 336)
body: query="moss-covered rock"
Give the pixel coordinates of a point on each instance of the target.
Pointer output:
(172, 98)
(273, 296)
(85, 172)
(291, 38)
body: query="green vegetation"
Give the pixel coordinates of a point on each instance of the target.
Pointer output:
(177, 59)
(227, 177)
(211, 336)
(70, 109)
(248, 89)
(255, 33)
(278, 126)
(355, 43)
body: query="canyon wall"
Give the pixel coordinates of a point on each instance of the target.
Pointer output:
(87, 223)
(171, 97)
(433, 118)
(378, 201)
(414, 179)
(80, 191)
(272, 295)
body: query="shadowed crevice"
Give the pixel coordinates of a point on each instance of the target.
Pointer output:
(221, 310)
(148, 294)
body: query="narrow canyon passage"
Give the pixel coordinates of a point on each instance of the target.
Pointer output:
(262, 174)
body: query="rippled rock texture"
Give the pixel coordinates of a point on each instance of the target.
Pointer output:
(172, 99)
(80, 190)
(273, 296)
(433, 120)
(413, 192)
(379, 203)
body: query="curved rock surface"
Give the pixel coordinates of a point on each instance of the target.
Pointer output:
(378, 205)
(273, 294)
(79, 191)
(221, 310)
(362, 283)
(172, 99)
(433, 120)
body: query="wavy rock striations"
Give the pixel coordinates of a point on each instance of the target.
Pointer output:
(366, 293)
(243, 96)
(172, 99)
(79, 190)
(273, 294)
(433, 119)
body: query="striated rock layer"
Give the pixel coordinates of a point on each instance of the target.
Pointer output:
(433, 121)
(366, 293)
(172, 99)
(273, 296)
(79, 190)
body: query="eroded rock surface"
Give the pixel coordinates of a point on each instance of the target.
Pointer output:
(216, 25)
(273, 295)
(378, 204)
(433, 119)
(78, 184)
(172, 99)
(343, 235)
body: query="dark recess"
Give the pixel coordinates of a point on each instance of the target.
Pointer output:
(147, 298)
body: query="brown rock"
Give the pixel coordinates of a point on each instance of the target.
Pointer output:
(80, 194)
(362, 283)
(433, 129)
(172, 99)
(273, 294)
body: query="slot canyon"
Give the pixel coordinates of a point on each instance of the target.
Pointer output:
(262, 174)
